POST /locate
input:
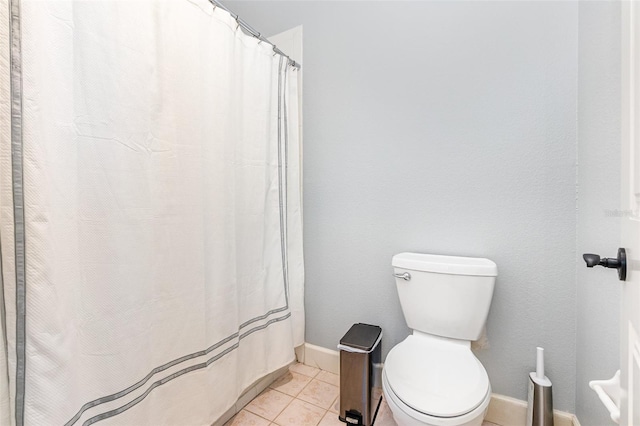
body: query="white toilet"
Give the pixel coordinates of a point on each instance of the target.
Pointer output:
(432, 378)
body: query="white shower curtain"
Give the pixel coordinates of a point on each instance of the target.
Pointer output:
(150, 223)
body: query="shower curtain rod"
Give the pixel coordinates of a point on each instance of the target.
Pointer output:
(253, 32)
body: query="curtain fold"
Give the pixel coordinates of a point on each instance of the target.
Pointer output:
(150, 213)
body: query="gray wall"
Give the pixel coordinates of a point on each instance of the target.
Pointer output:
(598, 192)
(441, 127)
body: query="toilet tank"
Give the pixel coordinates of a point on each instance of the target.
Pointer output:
(447, 296)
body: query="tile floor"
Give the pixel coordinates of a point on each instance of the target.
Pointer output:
(305, 396)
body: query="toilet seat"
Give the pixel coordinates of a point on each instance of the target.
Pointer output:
(436, 376)
(406, 416)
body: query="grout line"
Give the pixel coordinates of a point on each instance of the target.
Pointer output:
(285, 407)
(306, 375)
(311, 403)
(317, 406)
(305, 386)
(311, 379)
(334, 403)
(270, 421)
(279, 412)
(325, 381)
(322, 417)
(292, 375)
(307, 402)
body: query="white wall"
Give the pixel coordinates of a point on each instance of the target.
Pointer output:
(441, 127)
(598, 289)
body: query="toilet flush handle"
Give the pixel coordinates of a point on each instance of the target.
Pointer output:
(405, 276)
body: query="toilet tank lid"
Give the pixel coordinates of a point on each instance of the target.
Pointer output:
(440, 264)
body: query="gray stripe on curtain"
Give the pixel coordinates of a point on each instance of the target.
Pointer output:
(18, 205)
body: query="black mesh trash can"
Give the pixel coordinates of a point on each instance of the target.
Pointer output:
(360, 392)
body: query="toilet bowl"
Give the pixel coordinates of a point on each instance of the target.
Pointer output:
(428, 380)
(432, 378)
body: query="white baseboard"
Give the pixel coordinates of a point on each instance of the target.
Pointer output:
(503, 410)
(507, 411)
(317, 356)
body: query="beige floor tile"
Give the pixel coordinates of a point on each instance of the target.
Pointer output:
(331, 419)
(269, 404)
(304, 369)
(245, 418)
(325, 376)
(335, 407)
(300, 413)
(319, 393)
(488, 424)
(291, 383)
(385, 416)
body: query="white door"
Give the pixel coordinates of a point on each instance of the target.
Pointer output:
(630, 239)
